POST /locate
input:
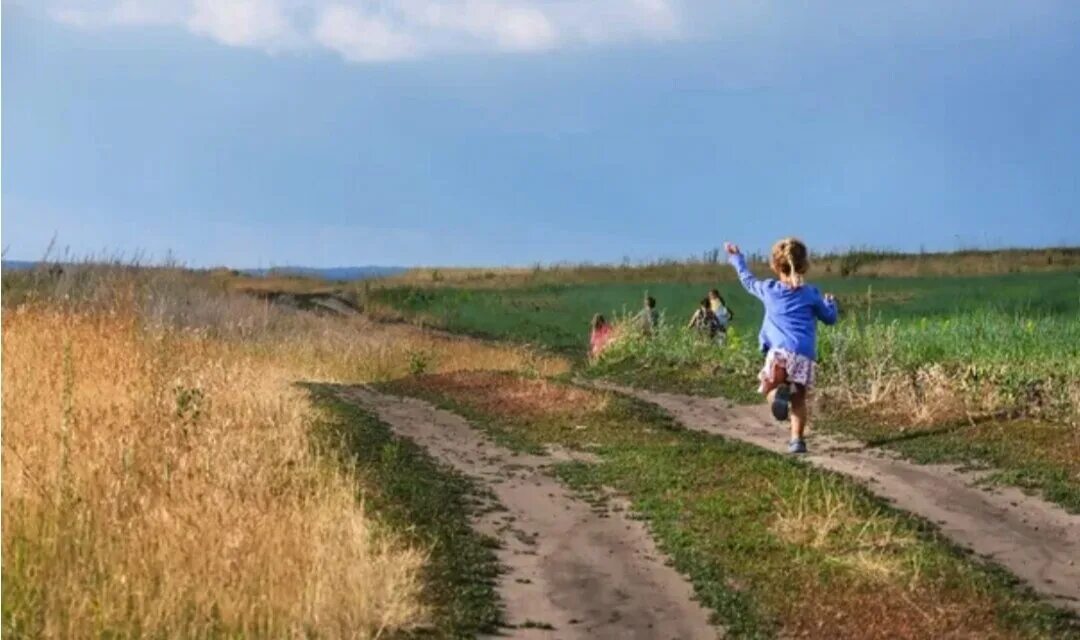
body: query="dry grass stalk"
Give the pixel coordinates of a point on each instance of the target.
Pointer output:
(162, 484)
(827, 519)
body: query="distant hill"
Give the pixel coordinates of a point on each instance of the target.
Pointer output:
(18, 265)
(329, 273)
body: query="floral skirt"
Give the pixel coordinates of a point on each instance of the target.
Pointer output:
(799, 368)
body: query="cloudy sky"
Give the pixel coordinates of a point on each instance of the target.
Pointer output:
(334, 132)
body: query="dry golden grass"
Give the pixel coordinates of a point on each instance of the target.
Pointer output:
(162, 485)
(158, 476)
(880, 590)
(828, 521)
(926, 396)
(358, 349)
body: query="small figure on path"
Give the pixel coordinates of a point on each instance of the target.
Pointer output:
(719, 307)
(600, 336)
(705, 321)
(789, 331)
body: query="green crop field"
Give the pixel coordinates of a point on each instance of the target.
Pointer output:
(557, 316)
(964, 353)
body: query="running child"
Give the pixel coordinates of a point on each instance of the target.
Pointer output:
(789, 332)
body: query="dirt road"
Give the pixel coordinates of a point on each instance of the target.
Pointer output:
(1037, 541)
(570, 573)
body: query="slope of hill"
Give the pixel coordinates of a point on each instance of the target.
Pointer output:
(328, 273)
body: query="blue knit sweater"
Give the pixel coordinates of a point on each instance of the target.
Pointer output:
(791, 315)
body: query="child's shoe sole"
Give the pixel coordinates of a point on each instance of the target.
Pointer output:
(781, 404)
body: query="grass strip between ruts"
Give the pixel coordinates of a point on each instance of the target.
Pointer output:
(427, 502)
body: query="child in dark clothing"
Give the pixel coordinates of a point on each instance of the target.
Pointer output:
(704, 320)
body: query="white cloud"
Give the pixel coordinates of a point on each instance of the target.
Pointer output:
(360, 37)
(381, 30)
(506, 25)
(242, 23)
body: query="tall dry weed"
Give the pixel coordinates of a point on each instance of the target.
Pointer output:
(356, 349)
(158, 477)
(160, 483)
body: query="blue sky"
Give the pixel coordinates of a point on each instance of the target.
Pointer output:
(469, 132)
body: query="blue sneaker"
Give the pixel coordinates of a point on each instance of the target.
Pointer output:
(797, 446)
(781, 403)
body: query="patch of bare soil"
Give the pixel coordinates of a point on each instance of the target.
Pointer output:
(496, 394)
(1037, 541)
(570, 572)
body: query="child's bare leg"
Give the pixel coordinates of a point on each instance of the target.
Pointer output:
(799, 412)
(779, 377)
(779, 403)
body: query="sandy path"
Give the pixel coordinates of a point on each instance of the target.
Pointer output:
(587, 576)
(1037, 541)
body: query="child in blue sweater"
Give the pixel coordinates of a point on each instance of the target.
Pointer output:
(789, 332)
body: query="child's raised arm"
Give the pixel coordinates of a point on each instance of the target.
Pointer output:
(825, 308)
(693, 319)
(749, 282)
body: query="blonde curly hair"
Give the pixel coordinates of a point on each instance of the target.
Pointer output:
(790, 258)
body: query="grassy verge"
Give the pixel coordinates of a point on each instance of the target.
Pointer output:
(1037, 456)
(772, 545)
(1034, 454)
(428, 501)
(681, 361)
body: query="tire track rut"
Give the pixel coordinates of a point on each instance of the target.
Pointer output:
(1037, 541)
(569, 572)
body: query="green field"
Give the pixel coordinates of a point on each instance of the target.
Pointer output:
(557, 316)
(968, 364)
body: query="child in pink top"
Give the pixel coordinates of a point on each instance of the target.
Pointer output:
(600, 335)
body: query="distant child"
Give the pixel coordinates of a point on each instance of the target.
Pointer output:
(648, 319)
(704, 320)
(719, 307)
(600, 336)
(789, 332)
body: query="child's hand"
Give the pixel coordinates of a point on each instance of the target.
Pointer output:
(732, 249)
(830, 298)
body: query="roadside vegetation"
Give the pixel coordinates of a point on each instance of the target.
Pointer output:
(159, 476)
(978, 370)
(774, 547)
